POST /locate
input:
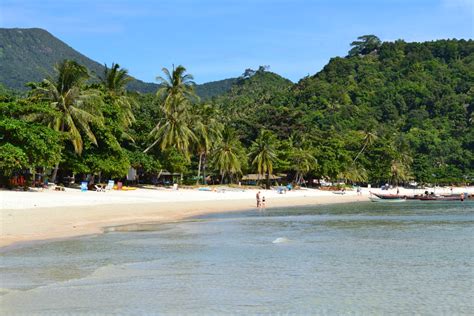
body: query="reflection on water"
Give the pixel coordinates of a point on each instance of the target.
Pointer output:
(367, 258)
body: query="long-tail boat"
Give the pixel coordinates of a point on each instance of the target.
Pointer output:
(387, 197)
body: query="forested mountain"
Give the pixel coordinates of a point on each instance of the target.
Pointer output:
(388, 112)
(393, 110)
(417, 99)
(30, 55)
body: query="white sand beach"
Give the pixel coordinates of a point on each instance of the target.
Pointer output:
(40, 215)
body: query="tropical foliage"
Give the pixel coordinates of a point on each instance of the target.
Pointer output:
(388, 112)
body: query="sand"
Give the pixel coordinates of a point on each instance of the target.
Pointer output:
(42, 215)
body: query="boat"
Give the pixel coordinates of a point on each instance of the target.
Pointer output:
(389, 196)
(454, 197)
(376, 199)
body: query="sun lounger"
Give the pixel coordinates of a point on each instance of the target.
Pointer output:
(99, 188)
(110, 185)
(83, 186)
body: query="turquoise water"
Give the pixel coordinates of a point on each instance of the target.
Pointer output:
(364, 258)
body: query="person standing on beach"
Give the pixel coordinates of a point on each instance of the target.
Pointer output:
(258, 199)
(263, 202)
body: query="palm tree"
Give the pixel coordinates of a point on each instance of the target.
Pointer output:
(173, 129)
(114, 82)
(227, 155)
(369, 139)
(400, 166)
(208, 130)
(303, 162)
(400, 171)
(176, 84)
(263, 154)
(78, 107)
(176, 94)
(354, 173)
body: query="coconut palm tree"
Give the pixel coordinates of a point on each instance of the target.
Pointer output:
(302, 161)
(400, 166)
(175, 84)
(176, 95)
(227, 154)
(114, 81)
(353, 173)
(400, 171)
(208, 130)
(369, 139)
(263, 154)
(173, 130)
(78, 107)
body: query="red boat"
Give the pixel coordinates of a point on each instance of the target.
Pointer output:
(442, 198)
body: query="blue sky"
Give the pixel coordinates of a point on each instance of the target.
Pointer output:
(217, 39)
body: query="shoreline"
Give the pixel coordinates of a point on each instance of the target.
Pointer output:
(42, 216)
(20, 226)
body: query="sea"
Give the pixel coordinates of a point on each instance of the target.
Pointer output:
(409, 258)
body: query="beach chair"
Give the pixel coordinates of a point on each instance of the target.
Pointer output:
(281, 190)
(99, 188)
(83, 186)
(110, 185)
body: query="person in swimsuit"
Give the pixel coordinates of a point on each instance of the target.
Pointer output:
(258, 199)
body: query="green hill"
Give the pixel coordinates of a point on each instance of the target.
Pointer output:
(209, 90)
(250, 104)
(30, 55)
(394, 111)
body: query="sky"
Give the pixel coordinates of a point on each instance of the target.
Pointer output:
(218, 39)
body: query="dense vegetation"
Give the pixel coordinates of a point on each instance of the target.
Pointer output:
(388, 112)
(30, 55)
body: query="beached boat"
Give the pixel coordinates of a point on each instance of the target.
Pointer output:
(454, 197)
(376, 199)
(389, 196)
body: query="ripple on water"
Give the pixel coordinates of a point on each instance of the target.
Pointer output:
(410, 259)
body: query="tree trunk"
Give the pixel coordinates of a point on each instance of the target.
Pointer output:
(360, 152)
(204, 164)
(199, 168)
(55, 173)
(33, 182)
(268, 180)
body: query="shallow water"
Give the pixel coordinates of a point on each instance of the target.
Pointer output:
(362, 258)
